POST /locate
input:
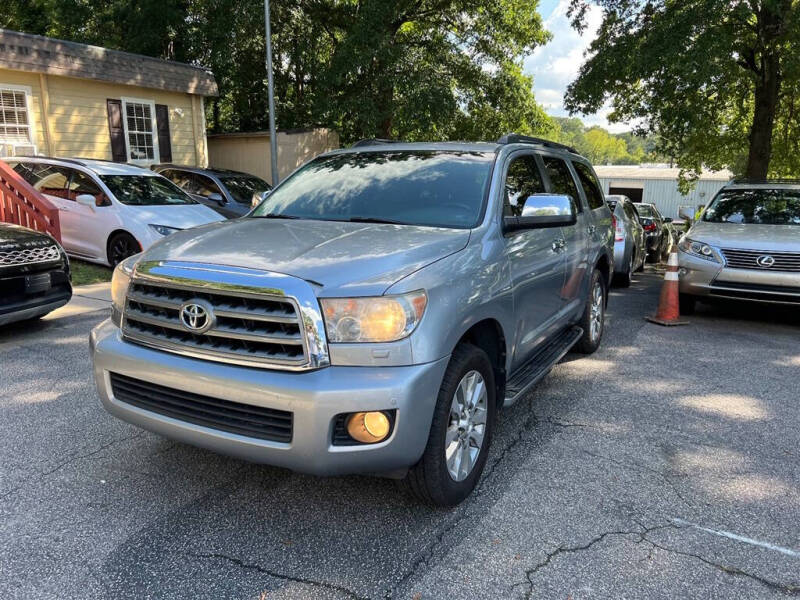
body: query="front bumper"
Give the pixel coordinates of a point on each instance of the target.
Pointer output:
(700, 277)
(313, 397)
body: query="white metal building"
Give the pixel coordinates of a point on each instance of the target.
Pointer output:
(659, 185)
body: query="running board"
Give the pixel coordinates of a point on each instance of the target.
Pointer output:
(539, 365)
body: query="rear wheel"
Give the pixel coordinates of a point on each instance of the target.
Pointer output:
(121, 246)
(461, 431)
(593, 320)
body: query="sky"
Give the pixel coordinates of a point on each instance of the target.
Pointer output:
(555, 65)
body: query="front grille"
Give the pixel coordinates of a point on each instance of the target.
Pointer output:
(764, 293)
(27, 256)
(747, 259)
(214, 413)
(252, 329)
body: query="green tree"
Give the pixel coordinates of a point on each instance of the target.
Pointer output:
(717, 81)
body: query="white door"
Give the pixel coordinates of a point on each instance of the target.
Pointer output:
(89, 226)
(52, 182)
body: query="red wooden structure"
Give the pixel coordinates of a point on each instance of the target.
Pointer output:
(21, 204)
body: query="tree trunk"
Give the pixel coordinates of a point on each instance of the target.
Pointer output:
(386, 108)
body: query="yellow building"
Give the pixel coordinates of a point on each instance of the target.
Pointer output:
(66, 99)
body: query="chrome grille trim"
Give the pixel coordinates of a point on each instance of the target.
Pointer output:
(29, 256)
(746, 259)
(261, 319)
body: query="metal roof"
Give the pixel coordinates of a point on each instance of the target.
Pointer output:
(653, 172)
(38, 54)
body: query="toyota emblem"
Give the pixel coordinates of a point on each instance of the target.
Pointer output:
(197, 316)
(765, 261)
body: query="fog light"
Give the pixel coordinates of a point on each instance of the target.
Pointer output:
(368, 427)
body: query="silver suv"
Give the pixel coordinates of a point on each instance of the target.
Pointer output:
(371, 315)
(745, 246)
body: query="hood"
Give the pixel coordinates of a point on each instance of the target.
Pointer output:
(344, 258)
(14, 237)
(182, 216)
(769, 238)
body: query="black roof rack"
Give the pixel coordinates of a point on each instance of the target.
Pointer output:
(374, 142)
(516, 138)
(754, 180)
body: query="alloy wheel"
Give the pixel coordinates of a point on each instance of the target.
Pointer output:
(467, 425)
(597, 310)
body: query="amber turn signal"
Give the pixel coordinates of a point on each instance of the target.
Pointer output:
(368, 427)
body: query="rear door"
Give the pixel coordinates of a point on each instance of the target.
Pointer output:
(52, 181)
(598, 228)
(535, 258)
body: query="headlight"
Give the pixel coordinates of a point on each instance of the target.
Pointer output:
(698, 249)
(379, 319)
(119, 287)
(163, 229)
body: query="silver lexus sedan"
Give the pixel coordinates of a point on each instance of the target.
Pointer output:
(745, 246)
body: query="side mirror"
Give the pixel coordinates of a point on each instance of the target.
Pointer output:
(684, 215)
(544, 210)
(216, 197)
(86, 200)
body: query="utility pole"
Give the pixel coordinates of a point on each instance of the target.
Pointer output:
(273, 142)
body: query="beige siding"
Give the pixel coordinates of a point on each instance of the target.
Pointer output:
(251, 152)
(30, 80)
(78, 119)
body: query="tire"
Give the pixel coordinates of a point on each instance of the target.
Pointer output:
(430, 480)
(623, 280)
(120, 246)
(591, 338)
(640, 268)
(687, 304)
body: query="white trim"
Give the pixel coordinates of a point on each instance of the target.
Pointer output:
(153, 131)
(29, 109)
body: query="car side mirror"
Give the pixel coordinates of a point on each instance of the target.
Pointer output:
(216, 197)
(544, 210)
(684, 215)
(86, 200)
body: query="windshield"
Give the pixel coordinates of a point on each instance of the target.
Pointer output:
(645, 210)
(431, 188)
(756, 207)
(242, 187)
(144, 190)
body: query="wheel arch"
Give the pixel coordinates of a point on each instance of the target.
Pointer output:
(488, 335)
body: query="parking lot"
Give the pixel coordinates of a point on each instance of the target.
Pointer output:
(665, 465)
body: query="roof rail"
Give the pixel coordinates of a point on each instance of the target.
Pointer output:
(74, 161)
(516, 138)
(755, 180)
(374, 142)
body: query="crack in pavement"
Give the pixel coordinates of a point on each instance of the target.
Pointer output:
(254, 567)
(566, 424)
(638, 467)
(642, 533)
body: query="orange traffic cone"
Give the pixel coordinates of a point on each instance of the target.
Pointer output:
(669, 312)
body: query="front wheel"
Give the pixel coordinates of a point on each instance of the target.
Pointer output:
(120, 246)
(593, 319)
(461, 431)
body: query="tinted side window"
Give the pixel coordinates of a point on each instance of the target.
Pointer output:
(47, 179)
(205, 186)
(591, 187)
(522, 180)
(180, 178)
(561, 180)
(630, 211)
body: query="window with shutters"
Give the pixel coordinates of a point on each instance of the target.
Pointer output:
(139, 121)
(16, 128)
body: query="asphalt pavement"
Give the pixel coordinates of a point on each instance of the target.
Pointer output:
(666, 465)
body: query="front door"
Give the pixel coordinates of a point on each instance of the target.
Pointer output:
(88, 226)
(535, 258)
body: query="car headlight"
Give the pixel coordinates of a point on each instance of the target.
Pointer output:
(377, 319)
(119, 287)
(698, 249)
(163, 229)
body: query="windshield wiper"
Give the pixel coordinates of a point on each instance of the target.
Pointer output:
(374, 220)
(276, 216)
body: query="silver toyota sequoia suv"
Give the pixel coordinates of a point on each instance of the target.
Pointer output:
(371, 315)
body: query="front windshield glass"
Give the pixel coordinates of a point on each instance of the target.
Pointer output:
(430, 188)
(755, 207)
(144, 190)
(242, 187)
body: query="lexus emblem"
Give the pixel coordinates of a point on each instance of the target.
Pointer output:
(197, 316)
(765, 261)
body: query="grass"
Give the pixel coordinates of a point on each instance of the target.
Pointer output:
(84, 273)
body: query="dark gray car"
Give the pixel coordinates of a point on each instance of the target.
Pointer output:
(230, 193)
(371, 315)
